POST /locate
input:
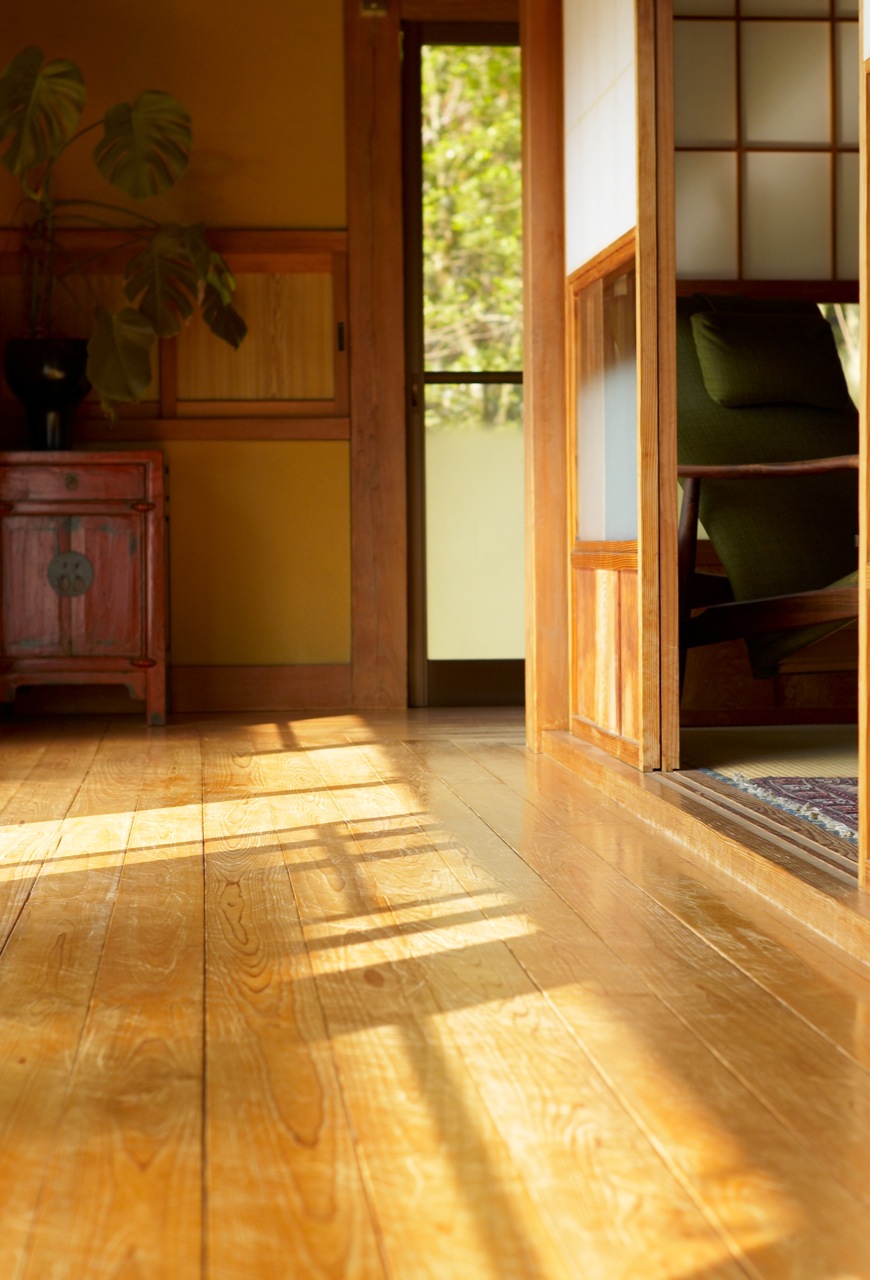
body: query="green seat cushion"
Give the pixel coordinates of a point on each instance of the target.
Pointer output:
(774, 536)
(769, 358)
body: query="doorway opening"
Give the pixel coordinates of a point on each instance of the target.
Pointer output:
(767, 226)
(463, 272)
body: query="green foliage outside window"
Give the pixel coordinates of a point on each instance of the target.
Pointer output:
(472, 228)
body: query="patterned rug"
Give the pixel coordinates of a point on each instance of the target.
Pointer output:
(831, 803)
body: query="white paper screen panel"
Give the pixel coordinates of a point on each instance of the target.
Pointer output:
(705, 83)
(848, 84)
(766, 114)
(785, 83)
(706, 214)
(787, 216)
(848, 193)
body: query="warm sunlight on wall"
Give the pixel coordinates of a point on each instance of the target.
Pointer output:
(259, 552)
(263, 82)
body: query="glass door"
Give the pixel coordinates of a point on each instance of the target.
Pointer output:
(463, 195)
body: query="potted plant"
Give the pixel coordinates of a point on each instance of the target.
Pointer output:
(170, 271)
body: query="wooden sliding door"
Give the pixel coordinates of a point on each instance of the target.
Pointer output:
(620, 450)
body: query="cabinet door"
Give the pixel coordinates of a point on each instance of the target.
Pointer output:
(33, 612)
(106, 620)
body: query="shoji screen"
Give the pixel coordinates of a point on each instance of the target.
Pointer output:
(766, 132)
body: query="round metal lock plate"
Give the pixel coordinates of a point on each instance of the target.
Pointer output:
(70, 574)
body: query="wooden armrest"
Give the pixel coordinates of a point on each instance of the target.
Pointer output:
(738, 470)
(776, 613)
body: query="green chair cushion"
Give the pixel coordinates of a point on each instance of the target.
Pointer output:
(769, 358)
(774, 536)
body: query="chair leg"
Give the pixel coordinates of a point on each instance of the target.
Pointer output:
(687, 542)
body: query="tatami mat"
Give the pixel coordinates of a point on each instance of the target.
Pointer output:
(766, 751)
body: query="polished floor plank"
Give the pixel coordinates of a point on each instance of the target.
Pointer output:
(38, 791)
(800, 970)
(431, 1158)
(47, 975)
(596, 1181)
(124, 1190)
(382, 997)
(748, 1169)
(751, 1032)
(282, 1188)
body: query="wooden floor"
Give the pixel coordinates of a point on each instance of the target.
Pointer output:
(386, 996)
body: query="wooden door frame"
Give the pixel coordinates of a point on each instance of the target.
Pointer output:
(864, 478)
(549, 465)
(379, 550)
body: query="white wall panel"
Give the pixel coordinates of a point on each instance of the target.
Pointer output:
(600, 126)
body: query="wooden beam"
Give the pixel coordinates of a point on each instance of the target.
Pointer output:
(547, 535)
(376, 336)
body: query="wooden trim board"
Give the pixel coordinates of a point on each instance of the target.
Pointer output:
(289, 688)
(547, 470)
(838, 912)
(377, 370)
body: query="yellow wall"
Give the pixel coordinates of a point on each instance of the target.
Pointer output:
(263, 81)
(260, 558)
(259, 552)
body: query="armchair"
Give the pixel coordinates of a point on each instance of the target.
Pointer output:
(767, 453)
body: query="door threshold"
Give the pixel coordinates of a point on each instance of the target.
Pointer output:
(819, 847)
(800, 879)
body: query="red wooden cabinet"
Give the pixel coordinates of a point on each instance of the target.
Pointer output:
(83, 572)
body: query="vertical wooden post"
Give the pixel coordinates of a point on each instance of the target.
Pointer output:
(547, 462)
(864, 486)
(377, 357)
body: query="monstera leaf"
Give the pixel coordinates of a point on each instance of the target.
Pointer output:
(222, 317)
(146, 144)
(40, 107)
(163, 274)
(119, 356)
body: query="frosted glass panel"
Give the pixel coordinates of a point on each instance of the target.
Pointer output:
(847, 217)
(846, 8)
(707, 8)
(474, 540)
(787, 216)
(705, 83)
(785, 8)
(706, 210)
(848, 83)
(607, 409)
(786, 82)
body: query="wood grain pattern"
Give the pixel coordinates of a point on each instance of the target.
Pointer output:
(313, 688)
(385, 994)
(459, 10)
(138, 1160)
(864, 513)
(46, 979)
(282, 1140)
(377, 393)
(288, 354)
(548, 467)
(654, 363)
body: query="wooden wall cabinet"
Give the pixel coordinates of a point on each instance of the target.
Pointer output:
(83, 572)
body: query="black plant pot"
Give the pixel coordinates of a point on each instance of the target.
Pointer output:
(48, 376)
